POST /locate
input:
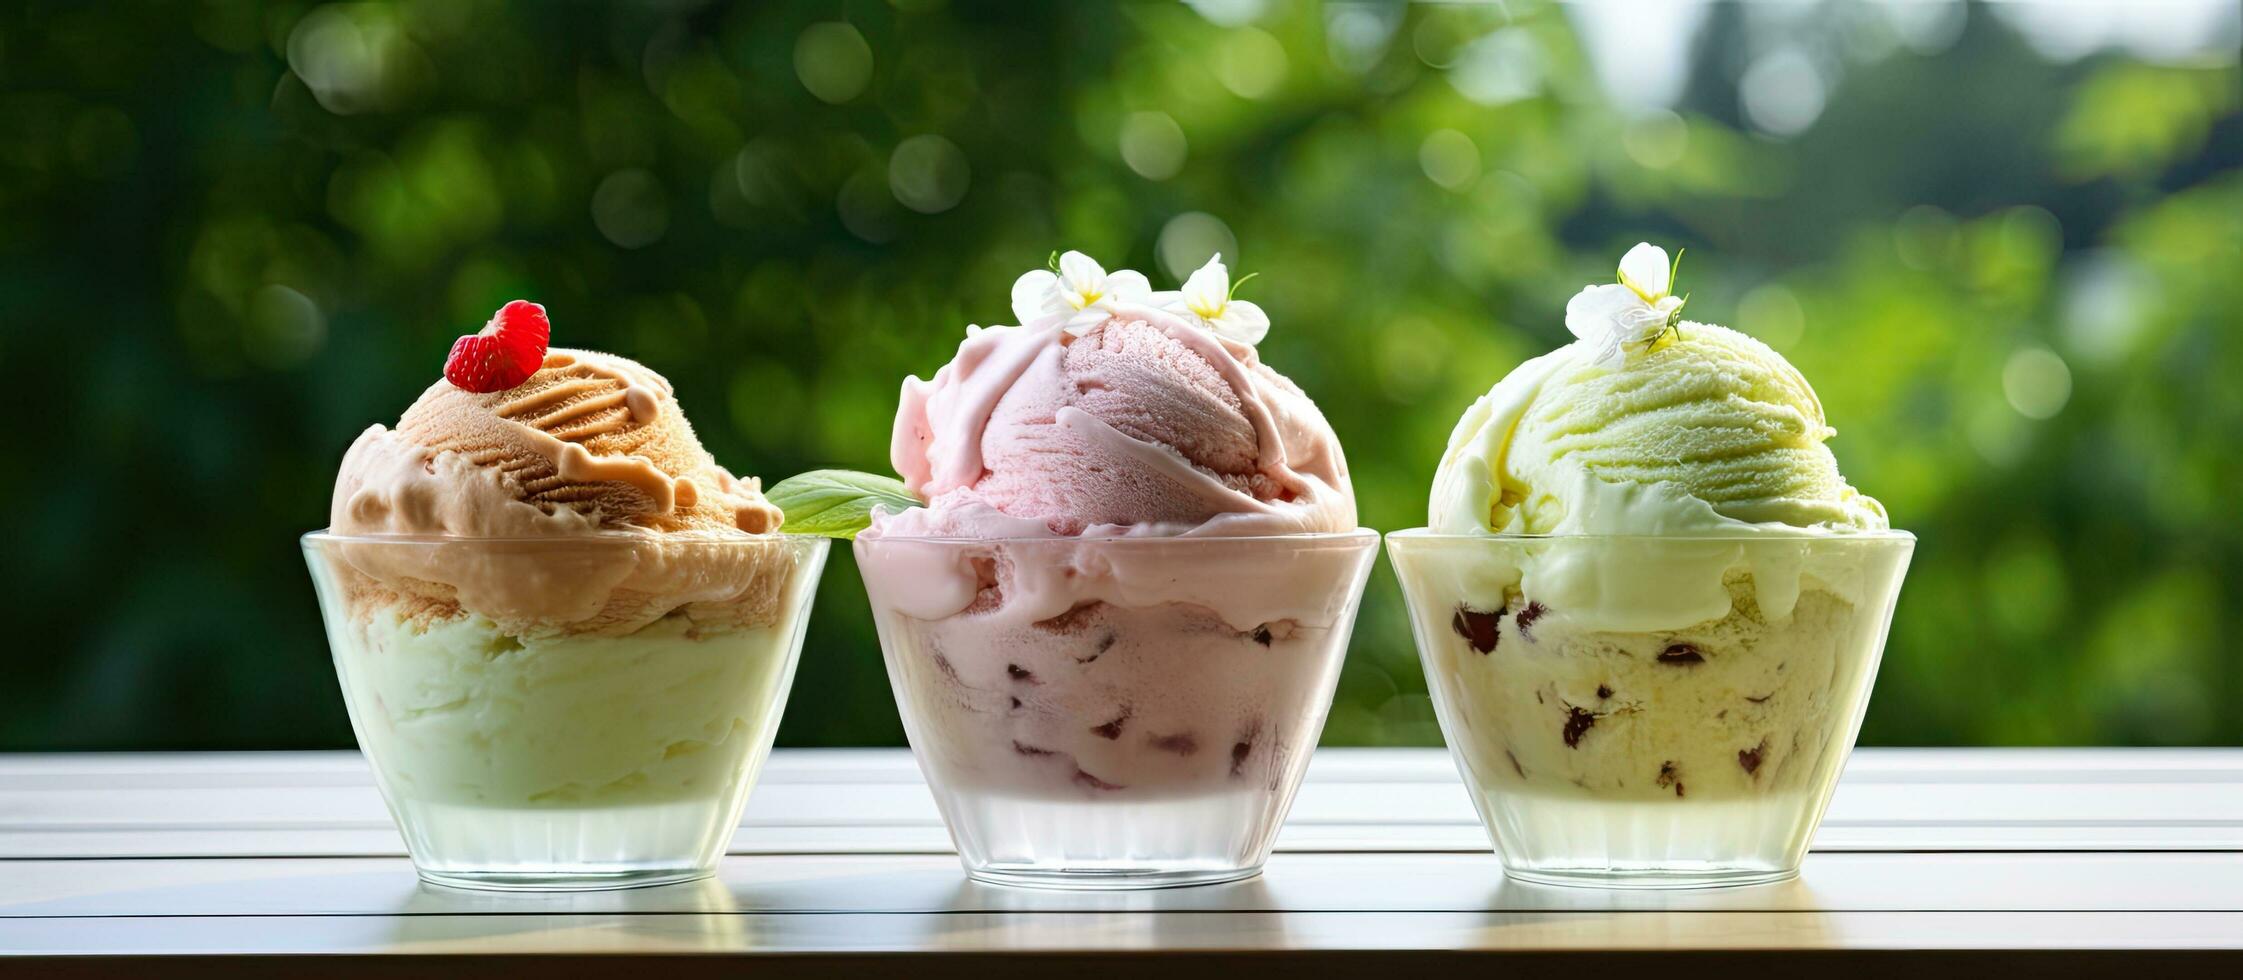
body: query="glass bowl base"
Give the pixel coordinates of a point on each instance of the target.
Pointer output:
(1107, 879)
(516, 881)
(1651, 878)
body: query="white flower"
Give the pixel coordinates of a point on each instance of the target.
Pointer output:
(1206, 297)
(1079, 289)
(1633, 312)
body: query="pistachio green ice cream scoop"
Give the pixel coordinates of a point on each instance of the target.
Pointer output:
(1688, 428)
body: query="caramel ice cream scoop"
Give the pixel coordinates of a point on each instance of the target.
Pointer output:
(590, 443)
(592, 448)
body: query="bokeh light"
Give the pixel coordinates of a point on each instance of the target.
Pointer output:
(2037, 382)
(1657, 139)
(1783, 92)
(833, 61)
(1772, 313)
(1188, 240)
(1500, 68)
(1153, 145)
(631, 208)
(1449, 158)
(929, 174)
(354, 57)
(1251, 63)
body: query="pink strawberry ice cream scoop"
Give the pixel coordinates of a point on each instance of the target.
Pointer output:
(1145, 424)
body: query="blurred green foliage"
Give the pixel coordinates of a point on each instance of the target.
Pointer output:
(234, 234)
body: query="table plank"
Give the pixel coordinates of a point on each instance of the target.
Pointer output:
(1014, 933)
(934, 885)
(874, 801)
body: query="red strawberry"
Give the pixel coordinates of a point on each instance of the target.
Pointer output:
(508, 350)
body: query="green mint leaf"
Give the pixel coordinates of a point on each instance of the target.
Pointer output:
(836, 503)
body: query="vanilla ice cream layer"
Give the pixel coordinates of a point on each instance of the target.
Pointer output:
(460, 711)
(1753, 698)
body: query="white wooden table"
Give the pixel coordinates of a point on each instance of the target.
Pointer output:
(2082, 862)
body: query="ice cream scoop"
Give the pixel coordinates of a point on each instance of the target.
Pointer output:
(1143, 424)
(589, 443)
(1710, 430)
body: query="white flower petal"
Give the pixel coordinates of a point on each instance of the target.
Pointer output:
(1127, 285)
(1595, 311)
(1640, 324)
(1032, 293)
(1209, 288)
(1243, 322)
(1646, 270)
(1083, 320)
(1606, 352)
(1082, 274)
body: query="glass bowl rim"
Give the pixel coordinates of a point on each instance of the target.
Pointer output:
(1363, 535)
(1787, 536)
(600, 539)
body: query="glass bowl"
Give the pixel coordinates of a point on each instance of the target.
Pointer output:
(565, 713)
(1114, 712)
(1650, 711)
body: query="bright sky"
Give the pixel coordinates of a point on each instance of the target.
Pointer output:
(1641, 47)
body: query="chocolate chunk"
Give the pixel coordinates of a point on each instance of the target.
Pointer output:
(1261, 635)
(1750, 758)
(1030, 750)
(1085, 779)
(1480, 630)
(1181, 744)
(1244, 747)
(1669, 776)
(1526, 618)
(1112, 729)
(1603, 692)
(1019, 673)
(1577, 724)
(1681, 654)
(1105, 642)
